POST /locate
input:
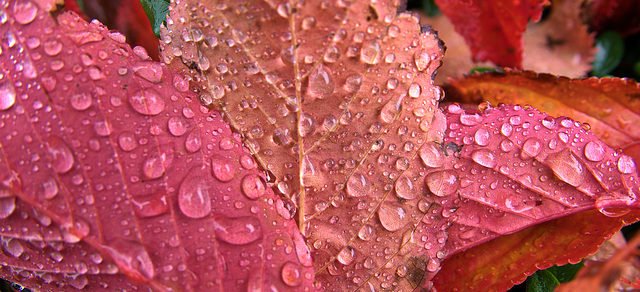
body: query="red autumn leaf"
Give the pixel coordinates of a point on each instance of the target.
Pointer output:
(114, 177)
(618, 15)
(135, 185)
(493, 29)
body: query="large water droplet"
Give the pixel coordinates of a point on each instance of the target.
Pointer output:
(7, 95)
(346, 255)
(156, 165)
(147, 101)
(442, 183)
(253, 186)
(392, 216)
(594, 151)
(193, 197)
(222, 170)
(12, 246)
(77, 281)
(626, 164)
(531, 148)
(432, 154)
(506, 129)
(321, 83)
(367, 232)
(612, 207)
(371, 52)
(24, 12)
(52, 47)
(149, 70)
(405, 188)
(61, 157)
(239, 230)
(150, 206)
(193, 142)
(7, 206)
(422, 60)
(484, 157)
(132, 259)
(482, 137)
(177, 126)
(127, 141)
(358, 185)
(291, 274)
(566, 167)
(80, 101)
(391, 109)
(353, 83)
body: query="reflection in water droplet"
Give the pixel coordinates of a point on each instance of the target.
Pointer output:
(147, 101)
(442, 183)
(371, 52)
(253, 186)
(566, 167)
(484, 157)
(237, 231)
(193, 197)
(7, 95)
(61, 157)
(321, 82)
(358, 185)
(392, 216)
(291, 274)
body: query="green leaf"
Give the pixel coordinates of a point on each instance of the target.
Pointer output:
(547, 280)
(430, 8)
(157, 11)
(610, 51)
(476, 70)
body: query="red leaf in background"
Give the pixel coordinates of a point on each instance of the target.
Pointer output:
(618, 15)
(113, 177)
(493, 29)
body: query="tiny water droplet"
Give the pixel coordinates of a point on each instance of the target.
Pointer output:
(193, 142)
(131, 258)
(52, 47)
(353, 83)
(7, 206)
(470, 119)
(147, 101)
(12, 246)
(367, 232)
(149, 70)
(415, 90)
(506, 129)
(237, 231)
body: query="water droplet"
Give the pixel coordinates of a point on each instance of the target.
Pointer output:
(482, 137)
(566, 167)
(358, 185)
(432, 154)
(193, 142)
(102, 128)
(147, 102)
(177, 126)
(415, 90)
(506, 129)
(7, 95)
(321, 83)
(281, 136)
(392, 216)
(594, 151)
(470, 119)
(77, 281)
(253, 186)
(150, 71)
(422, 60)
(405, 188)
(156, 165)
(131, 258)
(626, 164)
(151, 205)
(306, 125)
(12, 246)
(506, 145)
(24, 12)
(308, 22)
(442, 183)
(283, 10)
(549, 122)
(291, 274)
(49, 188)
(484, 157)
(7, 206)
(127, 141)
(331, 55)
(433, 265)
(391, 110)
(80, 101)
(193, 196)
(237, 231)
(371, 53)
(402, 164)
(52, 47)
(353, 83)
(531, 148)
(222, 170)
(61, 156)
(346, 255)
(612, 207)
